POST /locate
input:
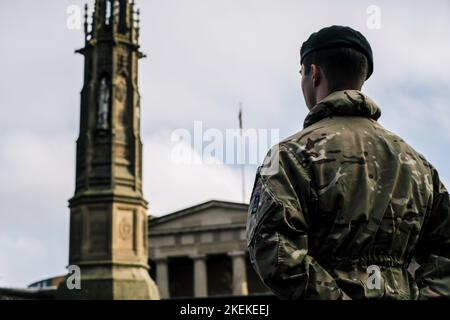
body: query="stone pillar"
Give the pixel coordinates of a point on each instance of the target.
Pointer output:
(162, 277)
(108, 213)
(239, 273)
(200, 276)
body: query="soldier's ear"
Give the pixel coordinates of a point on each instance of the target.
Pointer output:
(315, 75)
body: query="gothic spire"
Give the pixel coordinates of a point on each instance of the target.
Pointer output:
(113, 17)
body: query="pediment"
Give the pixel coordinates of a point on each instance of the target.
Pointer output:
(208, 214)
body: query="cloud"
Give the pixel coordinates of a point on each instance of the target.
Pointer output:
(37, 179)
(171, 185)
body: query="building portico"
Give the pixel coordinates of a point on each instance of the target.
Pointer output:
(206, 246)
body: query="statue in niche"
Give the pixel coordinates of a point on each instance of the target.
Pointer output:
(103, 105)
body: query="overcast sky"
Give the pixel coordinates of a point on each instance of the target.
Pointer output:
(204, 56)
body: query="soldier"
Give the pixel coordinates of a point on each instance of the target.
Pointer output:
(340, 209)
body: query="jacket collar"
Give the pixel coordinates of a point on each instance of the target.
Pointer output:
(343, 103)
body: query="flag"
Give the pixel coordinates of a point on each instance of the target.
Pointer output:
(240, 115)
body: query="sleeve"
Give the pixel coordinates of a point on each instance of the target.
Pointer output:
(277, 233)
(433, 253)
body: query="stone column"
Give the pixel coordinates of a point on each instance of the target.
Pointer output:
(239, 273)
(162, 277)
(200, 276)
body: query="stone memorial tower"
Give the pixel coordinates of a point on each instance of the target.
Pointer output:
(108, 219)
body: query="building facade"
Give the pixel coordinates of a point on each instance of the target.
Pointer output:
(201, 251)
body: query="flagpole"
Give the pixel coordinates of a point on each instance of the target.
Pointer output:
(242, 152)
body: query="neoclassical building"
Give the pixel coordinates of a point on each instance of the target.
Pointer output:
(201, 251)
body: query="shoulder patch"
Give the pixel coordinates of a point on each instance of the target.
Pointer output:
(256, 197)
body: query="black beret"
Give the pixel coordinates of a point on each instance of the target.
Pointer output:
(338, 37)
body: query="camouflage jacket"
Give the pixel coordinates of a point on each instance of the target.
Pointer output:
(340, 209)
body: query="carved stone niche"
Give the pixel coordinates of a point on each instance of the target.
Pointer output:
(120, 103)
(103, 103)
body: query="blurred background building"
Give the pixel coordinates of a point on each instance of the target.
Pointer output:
(202, 251)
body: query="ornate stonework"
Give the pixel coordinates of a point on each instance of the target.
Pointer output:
(108, 211)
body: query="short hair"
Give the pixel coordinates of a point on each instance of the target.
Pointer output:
(344, 68)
